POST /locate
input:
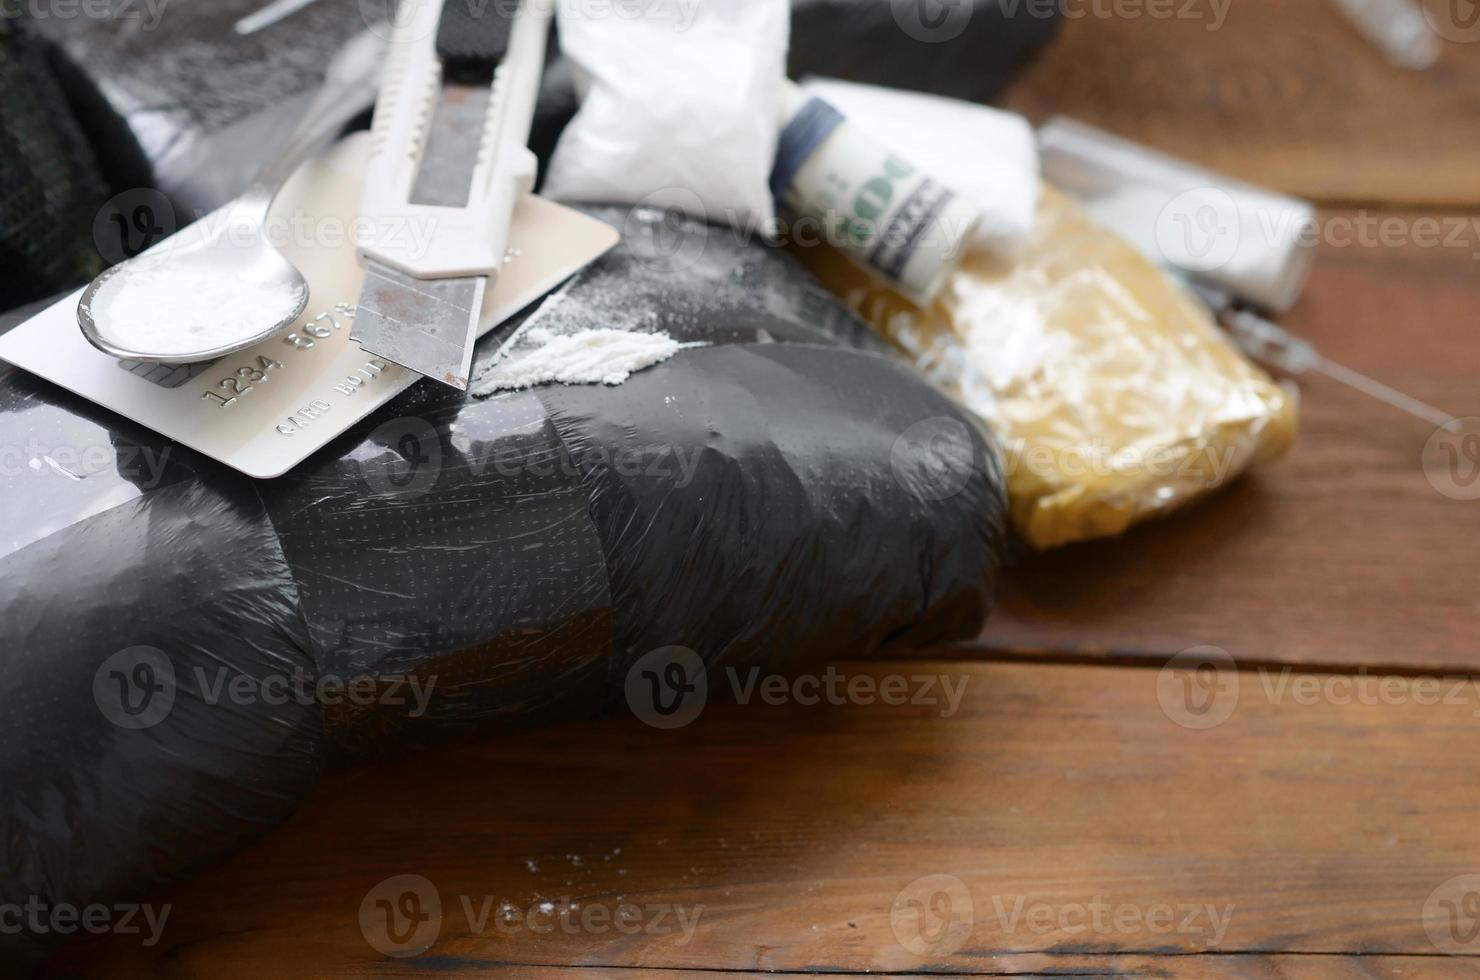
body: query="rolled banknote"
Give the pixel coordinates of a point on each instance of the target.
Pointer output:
(835, 185)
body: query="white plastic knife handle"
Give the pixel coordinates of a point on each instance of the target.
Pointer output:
(470, 240)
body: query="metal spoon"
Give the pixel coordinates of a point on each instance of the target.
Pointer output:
(232, 244)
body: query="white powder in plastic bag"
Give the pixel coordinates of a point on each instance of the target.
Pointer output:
(681, 107)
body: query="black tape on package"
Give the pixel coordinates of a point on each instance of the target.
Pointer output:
(453, 541)
(184, 650)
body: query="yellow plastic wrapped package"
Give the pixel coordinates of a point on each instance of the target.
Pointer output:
(1114, 395)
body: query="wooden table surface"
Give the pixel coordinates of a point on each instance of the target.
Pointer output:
(1086, 811)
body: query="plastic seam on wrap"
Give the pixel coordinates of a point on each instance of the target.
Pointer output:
(418, 613)
(569, 451)
(315, 651)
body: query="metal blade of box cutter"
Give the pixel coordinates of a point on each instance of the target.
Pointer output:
(430, 325)
(427, 325)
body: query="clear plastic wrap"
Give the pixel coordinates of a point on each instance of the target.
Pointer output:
(1113, 393)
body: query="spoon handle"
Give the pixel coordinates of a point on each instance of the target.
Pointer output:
(348, 89)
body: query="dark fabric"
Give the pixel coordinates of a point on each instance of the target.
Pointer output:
(50, 189)
(968, 49)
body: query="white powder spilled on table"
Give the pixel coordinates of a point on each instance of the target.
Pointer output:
(594, 356)
(157, 308)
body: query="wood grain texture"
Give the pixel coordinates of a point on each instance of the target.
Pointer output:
(1342, 554)
(1022, 967)
(1109, 967)
(1309, 826)
(1279, 92)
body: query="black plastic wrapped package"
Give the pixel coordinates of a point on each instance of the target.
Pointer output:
(783, 489)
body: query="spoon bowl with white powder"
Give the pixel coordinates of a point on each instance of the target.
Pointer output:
(191, 304)
(220, 286)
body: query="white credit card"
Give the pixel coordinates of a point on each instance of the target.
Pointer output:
(266, 409)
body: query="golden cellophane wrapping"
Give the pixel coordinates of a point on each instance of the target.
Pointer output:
(1112, 392)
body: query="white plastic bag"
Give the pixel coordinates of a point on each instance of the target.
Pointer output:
(680, 106)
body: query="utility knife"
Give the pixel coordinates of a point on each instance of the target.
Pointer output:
(449, 157)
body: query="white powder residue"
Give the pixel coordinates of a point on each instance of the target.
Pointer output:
(174, 310)
(597, 356)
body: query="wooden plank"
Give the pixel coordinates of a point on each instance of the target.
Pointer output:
(1038, 968)
(1280, 92)
(1058, 967)
(1344, 553)
(801, 838)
